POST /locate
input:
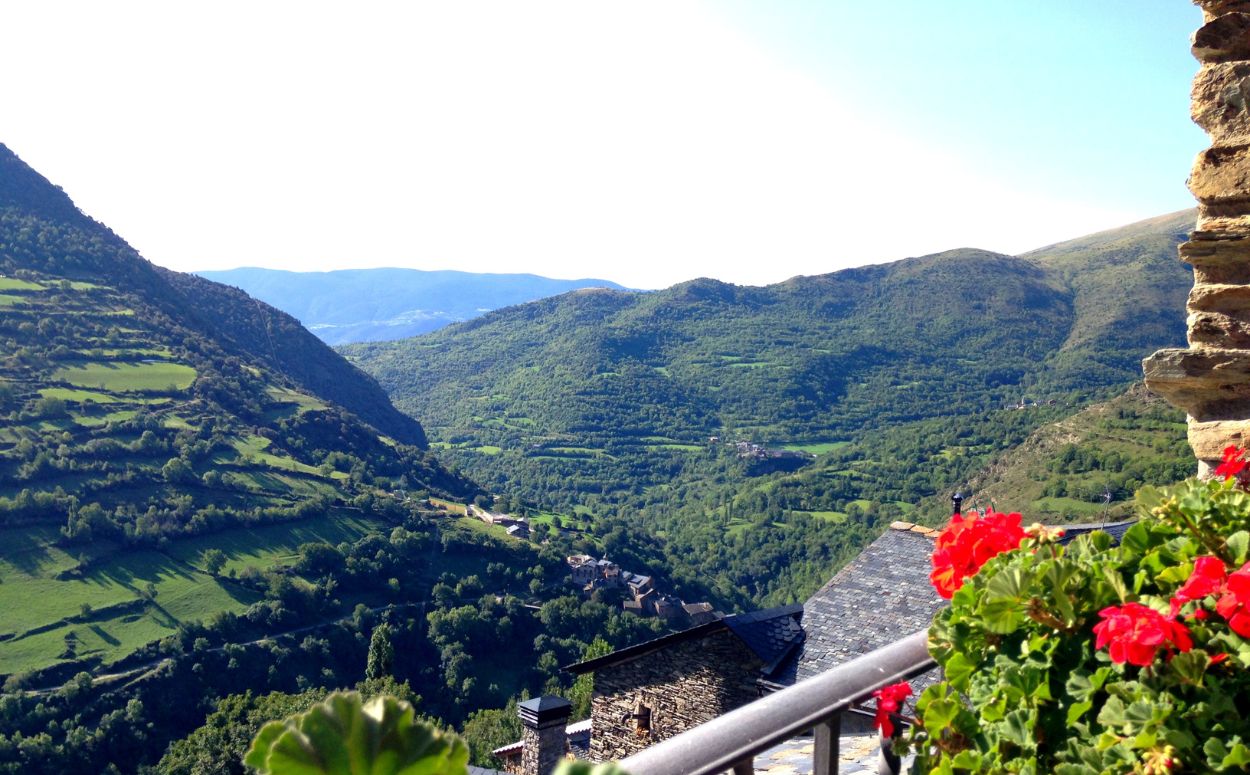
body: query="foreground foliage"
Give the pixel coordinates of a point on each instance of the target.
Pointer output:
(346, 736)
(1094, 658)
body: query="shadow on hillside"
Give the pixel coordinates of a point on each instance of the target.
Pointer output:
(104, 636)
(133, 570)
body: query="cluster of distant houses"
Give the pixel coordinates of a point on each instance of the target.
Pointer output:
(589, 574)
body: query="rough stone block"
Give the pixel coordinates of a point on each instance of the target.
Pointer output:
(1221, 102)
(1210, 438)
(1213, 8)
(1221, 176)
(1227, 218)
(1225, 38)
(1226, 298)
(1219, 329)
(1208, 383)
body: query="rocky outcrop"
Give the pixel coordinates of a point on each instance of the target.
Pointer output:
(1210, 379)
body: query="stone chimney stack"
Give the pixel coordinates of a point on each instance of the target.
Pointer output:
(544, 719)
(1210, 379)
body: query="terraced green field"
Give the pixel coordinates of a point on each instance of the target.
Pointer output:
(42, 597)
(128, 377)
(817, 448)
(268, 545)
(14, 284)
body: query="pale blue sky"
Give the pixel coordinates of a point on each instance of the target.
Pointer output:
(1089, 94)
(645, 142)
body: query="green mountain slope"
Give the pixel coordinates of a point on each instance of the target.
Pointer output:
(366, 305)
(1088, 465)
(1128, 289)
(137, 402)
(601, 390)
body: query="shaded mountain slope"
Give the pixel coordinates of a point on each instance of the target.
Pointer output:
(141, 402)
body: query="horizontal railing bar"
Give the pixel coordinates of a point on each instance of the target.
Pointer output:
(719, 744)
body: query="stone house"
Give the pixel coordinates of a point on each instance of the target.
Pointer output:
(654, 690)
(581, 569)
(575, 744)
(638, 584)
(700, 613)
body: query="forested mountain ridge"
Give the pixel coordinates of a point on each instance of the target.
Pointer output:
(365, 305)
(125, 387)
(578, 386)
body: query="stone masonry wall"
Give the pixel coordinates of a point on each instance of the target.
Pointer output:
(1210, 379)
(684, 685)
(543, 748)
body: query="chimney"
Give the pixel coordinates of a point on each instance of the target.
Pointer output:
(543, 742)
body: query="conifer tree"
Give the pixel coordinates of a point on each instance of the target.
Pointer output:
(381, 653)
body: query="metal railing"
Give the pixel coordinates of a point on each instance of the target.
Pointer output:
(731, 741)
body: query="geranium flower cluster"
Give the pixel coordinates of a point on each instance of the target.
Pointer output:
(1232, 464)
(889, 701)
(967, 543)
(1136, 633)
(1232, 591)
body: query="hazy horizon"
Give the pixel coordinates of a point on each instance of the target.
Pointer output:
(645, 144)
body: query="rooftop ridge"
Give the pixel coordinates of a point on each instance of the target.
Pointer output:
(911, 527)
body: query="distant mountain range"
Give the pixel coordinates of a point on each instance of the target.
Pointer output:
(369, 305)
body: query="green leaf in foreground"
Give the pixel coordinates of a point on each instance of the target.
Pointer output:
(344, 736)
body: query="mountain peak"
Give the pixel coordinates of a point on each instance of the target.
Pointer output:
(24, 189)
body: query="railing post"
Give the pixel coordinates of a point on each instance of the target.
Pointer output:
(825, 734)
(888, 762)
(745, 767)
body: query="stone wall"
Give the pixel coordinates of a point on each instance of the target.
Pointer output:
(1210, 379)
(682, 685)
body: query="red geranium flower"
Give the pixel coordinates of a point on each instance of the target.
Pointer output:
(889, 700)
(1232, 463)
(967, 543)
(1136, 633)
(1207, 579)
(1233, 600)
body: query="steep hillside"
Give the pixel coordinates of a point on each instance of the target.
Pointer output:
(1088, 465)
(138, 402)
(368, 305)
(1128, 287)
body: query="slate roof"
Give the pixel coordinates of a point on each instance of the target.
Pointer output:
(880, 596)
(1115, 529)
(770, 634)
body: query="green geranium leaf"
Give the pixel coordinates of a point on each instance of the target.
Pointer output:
(958, 668)
(1078, 709)
(343, 736)
(1239, 544)
(1237, 756)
